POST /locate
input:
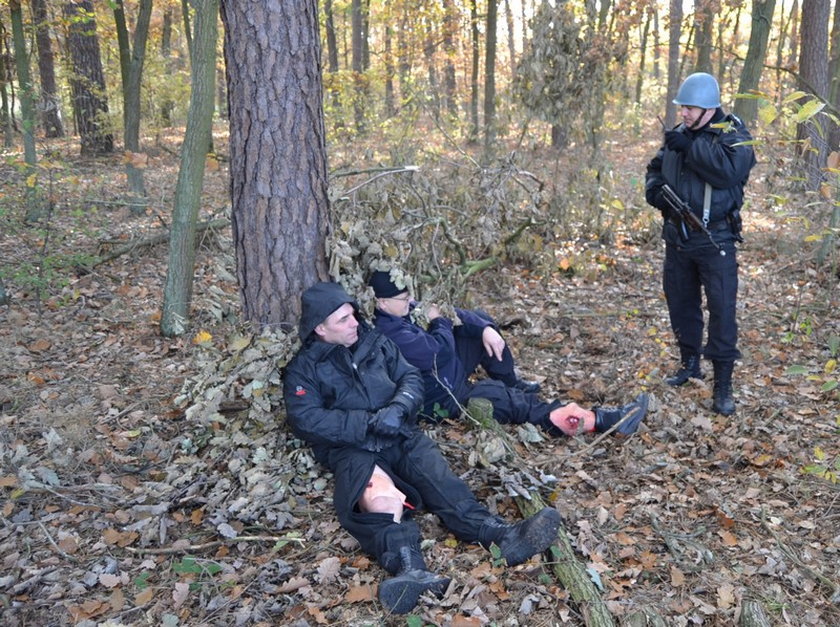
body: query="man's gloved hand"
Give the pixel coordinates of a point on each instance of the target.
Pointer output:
(677, 141)
(387, 421)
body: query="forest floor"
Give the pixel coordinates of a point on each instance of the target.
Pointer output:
(113, 504)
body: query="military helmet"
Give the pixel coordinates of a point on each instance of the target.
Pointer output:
(699, 90)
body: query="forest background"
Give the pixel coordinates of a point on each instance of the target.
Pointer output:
(165, 196)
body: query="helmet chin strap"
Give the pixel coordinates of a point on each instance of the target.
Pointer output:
(702, 120)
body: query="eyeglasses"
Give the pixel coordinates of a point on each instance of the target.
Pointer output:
(404, 298)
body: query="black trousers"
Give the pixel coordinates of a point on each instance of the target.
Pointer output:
(419, 470)
(688, 270)
(471, 354)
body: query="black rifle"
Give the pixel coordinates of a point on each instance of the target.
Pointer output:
(687, 216)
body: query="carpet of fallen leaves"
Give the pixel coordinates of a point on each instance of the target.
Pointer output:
(118, 508)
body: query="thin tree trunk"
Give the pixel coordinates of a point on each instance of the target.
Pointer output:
(181, 268)
(762, 19)
(5, 82)
(834, 73)
(474, 71)
(510, 37)
(704, 14)
(429, 54)
(813, 68)
(27, 109)
(490, 78)
(674, 30)
(332, 54)
(87, 82)
(49, 105)
(132, 57)
(403, 61)
(185, 16)
(390, 106)
(450, 25)
(643, 40)
(168, 105)
(357, 24)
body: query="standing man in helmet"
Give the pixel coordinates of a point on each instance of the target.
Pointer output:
(706, 164)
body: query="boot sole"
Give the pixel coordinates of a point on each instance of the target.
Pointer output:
(540, 535)
(637, 413)
(399, 596)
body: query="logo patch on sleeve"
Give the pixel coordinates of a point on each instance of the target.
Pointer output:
(300, 391)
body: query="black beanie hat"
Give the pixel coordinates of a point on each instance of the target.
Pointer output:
(383, 286)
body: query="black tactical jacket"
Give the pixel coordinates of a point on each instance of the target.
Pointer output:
(713, 158)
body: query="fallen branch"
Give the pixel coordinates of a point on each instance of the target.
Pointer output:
(154, 240)
(571, 573)
(195, 548)
(753, 615)
(644, 617)
(825, 581)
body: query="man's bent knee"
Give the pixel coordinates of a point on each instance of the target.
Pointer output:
(381, 496)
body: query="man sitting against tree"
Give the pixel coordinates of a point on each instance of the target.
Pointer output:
(448, 355)
(351, 395)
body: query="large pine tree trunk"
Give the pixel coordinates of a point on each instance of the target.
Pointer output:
(179, 273)
(762, 18)
(49, 105)
(278, 158)
(87, 83)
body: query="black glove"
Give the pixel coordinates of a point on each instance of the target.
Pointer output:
(677, 141)
(387, 421)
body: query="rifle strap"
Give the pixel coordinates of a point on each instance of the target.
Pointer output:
(707, 204)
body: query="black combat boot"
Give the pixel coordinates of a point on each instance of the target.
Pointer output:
(723, 402)
(689, 369)
(520, 541)
(608, 417)
(411, 578)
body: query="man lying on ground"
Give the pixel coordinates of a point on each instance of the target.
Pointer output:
(448, 355)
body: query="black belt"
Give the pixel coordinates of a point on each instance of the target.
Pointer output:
(714, 227)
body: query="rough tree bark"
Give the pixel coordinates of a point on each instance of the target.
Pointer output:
(571, 573)
(27, 109)
(490, 78)
(49, 104)
(450, 26)
(278, 159)
(674, 30)
(87, 82)
(813, 68)
(132, 57)
(359, 95)
(762, 19)
(177, 293)
(474, 54)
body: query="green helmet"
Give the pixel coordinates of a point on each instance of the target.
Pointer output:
(699, 90)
